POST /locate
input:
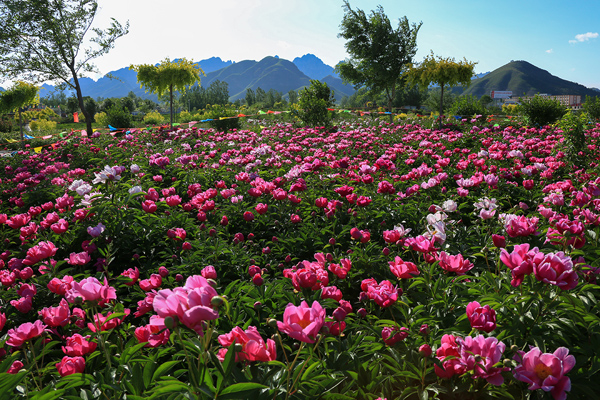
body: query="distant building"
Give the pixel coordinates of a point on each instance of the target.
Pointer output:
(572, 101)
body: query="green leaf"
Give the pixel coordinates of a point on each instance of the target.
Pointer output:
(240, 390)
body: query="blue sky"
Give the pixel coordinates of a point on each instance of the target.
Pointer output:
(560, 37)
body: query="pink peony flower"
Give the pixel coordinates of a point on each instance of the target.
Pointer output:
(104, 323)
(253, 347)
(448, 354)
(152, 335)
(209, 272)
(383, 293)
(133, 274)
(393, 335)
(151, 283)
(90, 289)
(556, 269)
(70, 365)
(545, 371)
(403, 269)
(454, 263)
(56, 316)
(78, 345)
(39, 252)
(190, 304)
(520, 261)
(480, 354)
(25, 332)
(302, 323)
(481, 318)
(79, 258)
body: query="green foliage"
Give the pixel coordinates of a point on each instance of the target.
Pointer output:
(101, 119)
(541, 110)
(313, 104)
(379, 54)
(154, 118)
(118, 116)
(198, 97)
(592, 107)
(19, 95)
(6, 125)
(42, 125)
(223, 117)
(434, 101)
(573, 126)
(468, 106)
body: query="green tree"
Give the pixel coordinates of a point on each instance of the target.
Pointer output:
(435, 101)
(42, 40)
(542, 110)
(293, 97)
(218, 92)
(19, 95)
(167, 77)
(314, 102)
(445, 72)
(379, 54)
(250, 97)
(592, 107)
(260, 96)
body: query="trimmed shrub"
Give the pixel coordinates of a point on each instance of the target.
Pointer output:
(313, 104)
(216, 112)
(541, 110)
(153, 118)
(468, 106)
(42, 125)
(101, 119)
(118, 116)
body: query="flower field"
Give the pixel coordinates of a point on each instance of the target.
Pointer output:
(368, 261)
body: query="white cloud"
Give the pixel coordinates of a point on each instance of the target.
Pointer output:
(583, 37)
(549, 51)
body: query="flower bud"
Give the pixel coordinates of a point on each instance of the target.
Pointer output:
(217, 301)
(238, 347)
(272, 322)
(212, 282)
(169, 322)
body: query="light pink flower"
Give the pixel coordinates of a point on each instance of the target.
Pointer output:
(25, 332)
(90, 289)
(546, 371)
(302, 323)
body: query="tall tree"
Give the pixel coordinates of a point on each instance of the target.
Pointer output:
(45, 40)
(379, 54)
(445, 72)
(167, 77)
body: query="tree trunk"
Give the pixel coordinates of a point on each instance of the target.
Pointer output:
(441, 103)
(21, 127)
(171, 100)
(86, 114)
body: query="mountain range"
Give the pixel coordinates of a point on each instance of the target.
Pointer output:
(269, 73)
(520, 77)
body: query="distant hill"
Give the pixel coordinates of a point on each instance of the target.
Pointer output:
(313, 67)
(525, 79)
(269, 73)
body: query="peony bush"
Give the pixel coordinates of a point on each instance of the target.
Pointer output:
(367, 261)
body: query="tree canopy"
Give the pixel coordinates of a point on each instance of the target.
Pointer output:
(19, 95)
(45, 40)
(168, 76)
(445, 72)
(379, 54)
